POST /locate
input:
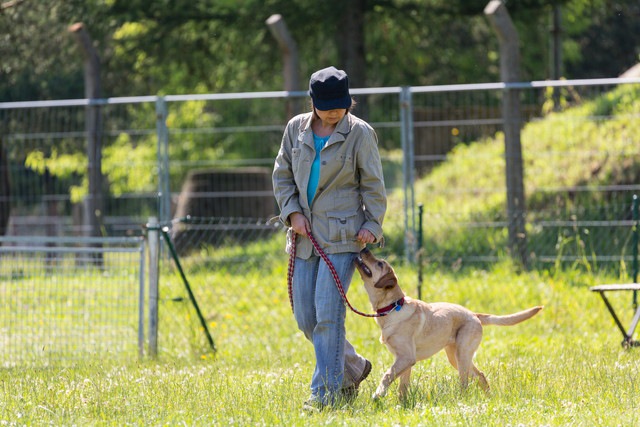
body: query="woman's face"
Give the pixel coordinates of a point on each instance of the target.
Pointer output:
(331, 117)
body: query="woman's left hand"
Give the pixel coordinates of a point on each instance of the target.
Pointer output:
(365, 236)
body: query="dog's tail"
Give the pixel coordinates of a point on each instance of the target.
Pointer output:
(510, 319)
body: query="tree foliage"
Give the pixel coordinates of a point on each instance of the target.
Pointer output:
(204, 46)
(172, 46)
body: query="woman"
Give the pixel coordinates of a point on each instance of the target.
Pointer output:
(328, 179)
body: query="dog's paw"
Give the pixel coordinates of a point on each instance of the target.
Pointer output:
(379, 394)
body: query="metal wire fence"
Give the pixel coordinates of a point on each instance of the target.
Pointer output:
(71, 300)
(226, 264)
(211, 155)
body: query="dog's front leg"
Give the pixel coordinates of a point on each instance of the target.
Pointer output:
(405, 353)
(400, 365)
(403, 386)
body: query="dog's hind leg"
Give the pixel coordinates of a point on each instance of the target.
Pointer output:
(467, 342)
(477, 373)
(450, 350)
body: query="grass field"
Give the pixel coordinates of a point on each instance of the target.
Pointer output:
(563, 367)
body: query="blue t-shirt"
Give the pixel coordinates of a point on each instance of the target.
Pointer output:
(314, 176)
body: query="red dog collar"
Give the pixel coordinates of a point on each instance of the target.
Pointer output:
(394, 306)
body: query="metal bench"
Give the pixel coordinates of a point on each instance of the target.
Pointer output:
(628, 340)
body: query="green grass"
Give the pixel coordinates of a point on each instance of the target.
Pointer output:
(563, 367)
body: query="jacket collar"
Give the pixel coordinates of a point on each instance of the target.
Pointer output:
(343, 128)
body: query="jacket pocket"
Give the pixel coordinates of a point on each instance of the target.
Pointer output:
(343, 226)
(346, 159)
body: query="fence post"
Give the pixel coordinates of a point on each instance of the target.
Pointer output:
(420, 250)
(507, 34)
(153, 235)
(5, 187)
(636, 216)
(406, 135)
(192, 298)
(141, 292)
(289, 50)
(164, 192)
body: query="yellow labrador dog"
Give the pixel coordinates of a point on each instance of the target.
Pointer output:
(414, 330)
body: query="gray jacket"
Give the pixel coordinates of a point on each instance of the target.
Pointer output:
(351, 193)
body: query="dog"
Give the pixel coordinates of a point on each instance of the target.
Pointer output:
(414, 330)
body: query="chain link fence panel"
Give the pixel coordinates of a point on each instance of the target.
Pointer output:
(71, 300)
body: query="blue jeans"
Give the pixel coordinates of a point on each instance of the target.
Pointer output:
(320, 313)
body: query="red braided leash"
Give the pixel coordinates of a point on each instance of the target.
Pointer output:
(332, 269)
(292, 261)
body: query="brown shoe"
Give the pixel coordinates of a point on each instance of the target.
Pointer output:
(351, 392)
(365, 373)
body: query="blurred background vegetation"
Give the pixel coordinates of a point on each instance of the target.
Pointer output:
(212, 46)
(168, 47)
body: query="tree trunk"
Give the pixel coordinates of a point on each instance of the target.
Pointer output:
(351, 50)
(94, 200)
(511, 115)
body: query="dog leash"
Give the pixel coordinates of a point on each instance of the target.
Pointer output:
(332, 269)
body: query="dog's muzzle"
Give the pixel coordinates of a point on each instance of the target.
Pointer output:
(362, 267)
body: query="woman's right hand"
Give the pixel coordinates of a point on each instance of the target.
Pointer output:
(299, 223)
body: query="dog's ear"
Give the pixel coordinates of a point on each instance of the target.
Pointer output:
(387, 281)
